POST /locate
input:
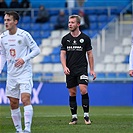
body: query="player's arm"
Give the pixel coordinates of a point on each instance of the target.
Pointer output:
(131, 62)
(63, 62)
(35, 50)
(91, 63)
(33, 47)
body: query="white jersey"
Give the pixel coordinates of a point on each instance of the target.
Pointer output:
(19, 45)
(131, 56)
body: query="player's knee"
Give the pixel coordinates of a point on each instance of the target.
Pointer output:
(72, 93)
(14, 103)
(83, 91)
(25, 99)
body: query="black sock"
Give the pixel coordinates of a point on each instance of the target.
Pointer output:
(73, 104)
(85, 102)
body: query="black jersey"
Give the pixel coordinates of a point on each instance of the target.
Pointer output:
(76, 48)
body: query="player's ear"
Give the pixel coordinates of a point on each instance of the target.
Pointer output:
(16, 22)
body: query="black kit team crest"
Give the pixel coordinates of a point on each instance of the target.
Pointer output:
(81, 40)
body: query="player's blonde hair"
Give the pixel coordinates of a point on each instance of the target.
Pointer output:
(78, 18)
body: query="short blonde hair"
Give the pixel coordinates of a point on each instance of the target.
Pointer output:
(78, 18)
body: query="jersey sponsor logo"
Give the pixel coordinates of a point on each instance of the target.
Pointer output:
(74, 48)
(13, 52)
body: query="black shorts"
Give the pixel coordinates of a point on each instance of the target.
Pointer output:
(74, 80)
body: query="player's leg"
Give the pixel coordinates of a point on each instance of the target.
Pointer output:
(13, 93)
(85, 102)
(83, 85)
(28, 111)
(16, 113)
(73, 105)
(25, 89)
(71, 85)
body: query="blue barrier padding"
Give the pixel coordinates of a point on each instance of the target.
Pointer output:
(101, 94)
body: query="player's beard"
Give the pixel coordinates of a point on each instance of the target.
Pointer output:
(72, 30)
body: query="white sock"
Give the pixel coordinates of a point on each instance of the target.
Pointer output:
(16, 117)
(86, 114)
(74, 116)
(28, 113)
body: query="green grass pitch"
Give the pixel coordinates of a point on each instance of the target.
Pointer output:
(55, 119)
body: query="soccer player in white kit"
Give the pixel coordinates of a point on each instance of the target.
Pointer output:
(131, 59)
(17, 47)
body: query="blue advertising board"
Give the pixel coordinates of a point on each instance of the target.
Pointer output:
(100, 93)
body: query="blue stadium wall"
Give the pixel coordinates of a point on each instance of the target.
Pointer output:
(61, 3)
(101, 94)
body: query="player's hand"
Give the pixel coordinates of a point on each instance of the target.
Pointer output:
(19, 62)
(131, 73)
(92, 73)
(66, 71)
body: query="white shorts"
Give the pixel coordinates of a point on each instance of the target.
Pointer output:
(14, 87)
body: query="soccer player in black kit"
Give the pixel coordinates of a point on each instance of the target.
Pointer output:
(74, 47)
